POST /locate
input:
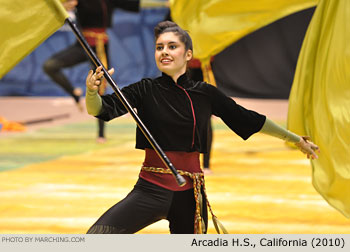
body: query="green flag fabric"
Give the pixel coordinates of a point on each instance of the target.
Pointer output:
(24, 26)
(319, 103)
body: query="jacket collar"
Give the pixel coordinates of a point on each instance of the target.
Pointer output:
(182, 81)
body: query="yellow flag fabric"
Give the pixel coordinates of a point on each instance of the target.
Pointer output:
(319, 103)
(24, 26)
(216, 24)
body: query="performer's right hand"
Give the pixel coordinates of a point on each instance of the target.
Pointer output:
(94, 80)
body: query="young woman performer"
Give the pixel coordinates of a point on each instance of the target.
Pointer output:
(177, 111)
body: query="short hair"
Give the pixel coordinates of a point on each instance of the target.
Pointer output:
(169, 26)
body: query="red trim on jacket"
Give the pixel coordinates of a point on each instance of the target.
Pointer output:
(193, 114)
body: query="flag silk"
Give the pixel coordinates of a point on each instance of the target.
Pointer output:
(216, 24)
(24, 26)
(319, 103)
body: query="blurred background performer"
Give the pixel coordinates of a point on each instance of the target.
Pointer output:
(93, 18)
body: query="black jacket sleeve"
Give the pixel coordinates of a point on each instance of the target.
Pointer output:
(242, 121)
(112, 107)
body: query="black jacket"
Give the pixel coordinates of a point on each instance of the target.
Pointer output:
(165, 107)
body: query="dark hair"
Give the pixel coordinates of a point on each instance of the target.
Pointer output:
(168, 26)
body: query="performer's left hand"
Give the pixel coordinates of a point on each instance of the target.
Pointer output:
(308, 147)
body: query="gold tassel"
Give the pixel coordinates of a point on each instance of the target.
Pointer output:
(198, 182)
(198, 217)
(218, 225)
(200, 197)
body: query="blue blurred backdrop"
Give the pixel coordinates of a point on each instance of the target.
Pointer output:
(131, 54)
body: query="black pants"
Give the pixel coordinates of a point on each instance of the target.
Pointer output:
(69, 57)
(146, 204)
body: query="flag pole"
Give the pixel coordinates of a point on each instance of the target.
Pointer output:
(179, 179)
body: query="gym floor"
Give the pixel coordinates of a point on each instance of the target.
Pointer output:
(56, 179)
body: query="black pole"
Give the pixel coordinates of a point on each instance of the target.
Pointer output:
(179, 179)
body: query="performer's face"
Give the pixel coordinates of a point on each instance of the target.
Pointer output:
(170, 54)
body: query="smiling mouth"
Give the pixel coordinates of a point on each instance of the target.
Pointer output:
(165, 61)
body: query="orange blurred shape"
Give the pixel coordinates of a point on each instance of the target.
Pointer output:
(6, 125)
